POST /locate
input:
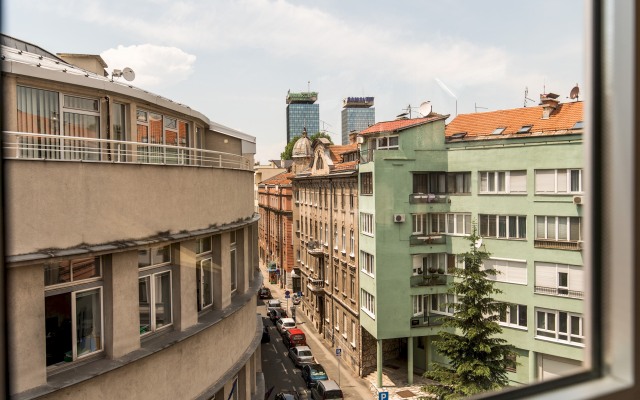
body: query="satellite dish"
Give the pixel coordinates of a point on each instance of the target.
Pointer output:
(575, 92)
(425, 109)
(128, 74)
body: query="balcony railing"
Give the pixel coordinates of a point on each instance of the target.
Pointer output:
(315, 248)
(422, 239)
(33, 146)
(559, 292)
(428, 320)
(429, 280)
(558, 245)
(316, 285)
(422, 198)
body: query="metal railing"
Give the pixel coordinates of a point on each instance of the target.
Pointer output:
(559, 292)
(435, 238)
(558, 245)
(429, 280)
(422, 198)
(34, 146)
(428, 320)
(315, 248)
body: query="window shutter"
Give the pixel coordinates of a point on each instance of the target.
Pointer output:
(518, 182)
(517, 272)
(576, 278)
(546, 275)
(545, 181)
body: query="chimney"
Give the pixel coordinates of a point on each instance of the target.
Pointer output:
(549, 102)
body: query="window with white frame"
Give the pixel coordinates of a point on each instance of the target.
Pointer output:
(352, 243)
(503, 182)
(354, 333)
(335, 236)
(73, 309)
(366, 223)
(344, 240)
(442, 303)
(417, 223)
(367, 264)
(503, 226)
(204, 283)
(560, 326)
(559, 279)
(508, 271)
(154, 295)
(368, 303)
(337, 320)
(352, 286)
(345, 325)
(558, 181)
(434, 263)
(418, 305)
(233, 266)
(450, 224)
(558, 228)
(387, 142)
(514, 315)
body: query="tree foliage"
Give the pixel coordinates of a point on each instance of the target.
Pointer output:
(478, 359)
(287, 154)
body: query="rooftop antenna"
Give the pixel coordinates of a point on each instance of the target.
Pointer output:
(446, 89)
(308, 86)
(127, 73)
(575, 93)
(483, 108)
(526, 98)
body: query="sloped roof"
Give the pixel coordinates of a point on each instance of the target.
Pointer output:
(345, 166)
(337, 151)
(283, 178)
(401, 124)
(482, 125)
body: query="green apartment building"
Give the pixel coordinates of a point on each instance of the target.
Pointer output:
(515, 173)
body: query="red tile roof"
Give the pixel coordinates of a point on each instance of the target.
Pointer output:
(345, 166)
(400, 124)
(283, 178)
(481, 125)
(337, 151)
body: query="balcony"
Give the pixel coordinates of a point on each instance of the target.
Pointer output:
(423, 198)
(428, 320)
(559, 292)
(429, 280)
(315, 248)
(557, 245)
(316, 285)
(419, 240)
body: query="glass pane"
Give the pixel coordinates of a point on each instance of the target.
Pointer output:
(492, 225)
(513, 231)
(492, 181)
(57, 311)
(562, 323)
(484, 182)
(575, 181)
(502, 226)
(501, 182)
(56, 273)
(562, 181)
(161, 255)
(513, 314)
(144, 304)
(207, 282)
(459, 223)
(522, 227)
(551, 228)
(144, 258)
(163, 299)
(575, 326)
(80, 103)
(551, 321)
(88, 322)
(563, 279)
(574, 228)
(562, 228)
(234, 281)
(85, 268)
(467, 223)
(522, 315)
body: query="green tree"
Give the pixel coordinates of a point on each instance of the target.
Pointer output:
(288, 150)
(478, 359)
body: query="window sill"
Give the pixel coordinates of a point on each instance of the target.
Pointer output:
(561, 342)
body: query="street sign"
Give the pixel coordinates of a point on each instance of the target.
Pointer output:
(338, 352)
(287, 294)
(383, 396)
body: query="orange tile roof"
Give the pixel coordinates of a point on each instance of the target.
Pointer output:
(400, 124)
(481, 125)
(337, 151)
(345, 166)
(283, 178)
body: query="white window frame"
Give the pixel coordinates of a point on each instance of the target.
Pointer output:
(520, 309)
(487, 179)
(561, 181)
(418, 223)
(437, 303)
(418, 305)
(367, 263)
(368, 303)
(367, 224)
(556, 233)
(387, 146)
(511, 271)
(508, 233)
(547, 276)
(152, 274)
(552, 333)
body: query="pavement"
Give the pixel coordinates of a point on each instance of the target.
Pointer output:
(394, 375)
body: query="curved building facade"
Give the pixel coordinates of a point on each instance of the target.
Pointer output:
(131, 239)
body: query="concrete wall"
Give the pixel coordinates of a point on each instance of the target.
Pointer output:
(65, 204)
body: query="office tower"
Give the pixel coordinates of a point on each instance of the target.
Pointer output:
(302, 112)
(357, 114)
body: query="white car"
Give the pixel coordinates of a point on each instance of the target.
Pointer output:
(301, 355)
(285, 323)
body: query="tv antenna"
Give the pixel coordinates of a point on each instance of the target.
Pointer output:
(526, 98)
(127, 73)
(476, 106)
(575, 93)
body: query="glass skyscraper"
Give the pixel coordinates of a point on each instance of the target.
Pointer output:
(302, 112)
(357, 114)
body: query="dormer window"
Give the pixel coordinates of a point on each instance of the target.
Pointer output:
(578, 125)
(525, 129)
(458, 135)
(498, 131)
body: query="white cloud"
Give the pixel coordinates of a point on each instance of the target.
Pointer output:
(154, 66)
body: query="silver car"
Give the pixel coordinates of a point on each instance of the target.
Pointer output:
(301, 355)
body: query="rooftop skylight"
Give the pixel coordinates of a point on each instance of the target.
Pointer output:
(578, 125)
(498, 131)
(525, 129)
(458, 135)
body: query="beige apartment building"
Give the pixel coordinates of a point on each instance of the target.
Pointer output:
(326, 247)
(130, 273)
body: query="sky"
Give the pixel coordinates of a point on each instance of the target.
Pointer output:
(235, 60)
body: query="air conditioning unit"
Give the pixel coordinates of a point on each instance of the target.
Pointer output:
(398, 217)
(578, 200)
(359, 139)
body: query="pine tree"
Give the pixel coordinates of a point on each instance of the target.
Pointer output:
(478, 359)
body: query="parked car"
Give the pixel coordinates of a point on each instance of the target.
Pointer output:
(288, 395)
(300, 355)
(285, 323)
(264, 293)
(273, 303)
(266, 338)
(276, 313)
(294, 337)
(312, 373)
(328, 389)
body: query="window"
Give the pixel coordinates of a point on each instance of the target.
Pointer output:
(559, 279)
(344, 240)
(458, 182)
(203, 245)
(352, 243)
(514, 315)
(442, 263)
(366, 223)
(387, 142)
(72, 271)
(367, 264)
(503, 226)
(512, 362)
(344, 282)
(354, 333)
(345, 325)
(458, 224)
(335, 236)
(154, 294)
(366, 183)
(430, 182)
(417, 223)
(418, 305)
(525, 129)
(560, 326)
(368, 303)
(234, 270)
(352, 285)
(337, 320)
(558, 181)
(503, 182)
(154, 256)
(559, 228)
(204, 283)
(508, 271)
(442, 303)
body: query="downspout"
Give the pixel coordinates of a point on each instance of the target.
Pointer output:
(108, 130)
